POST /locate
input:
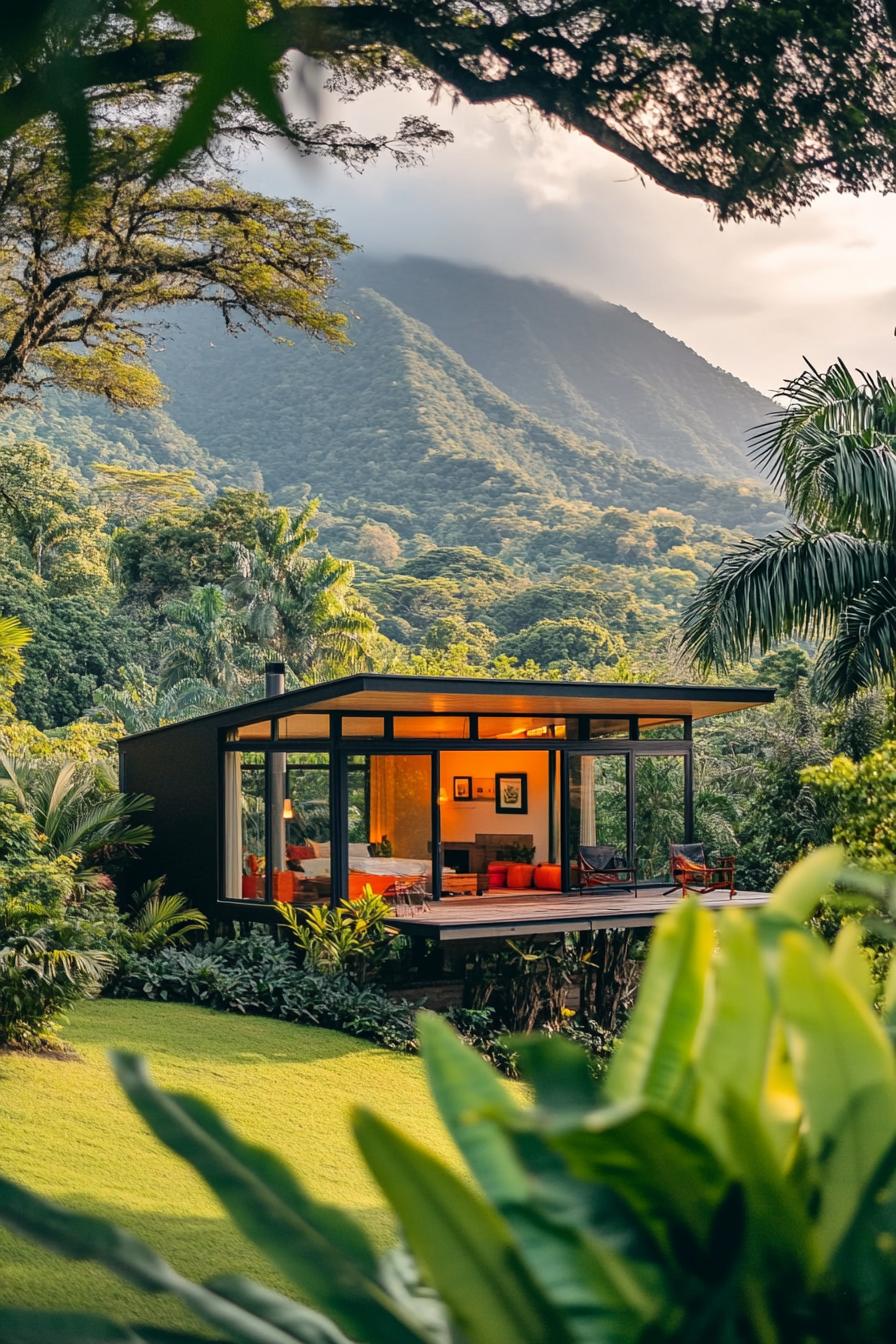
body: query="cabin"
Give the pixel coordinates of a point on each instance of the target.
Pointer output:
(477, 808)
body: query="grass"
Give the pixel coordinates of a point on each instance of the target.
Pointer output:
(68, 1132)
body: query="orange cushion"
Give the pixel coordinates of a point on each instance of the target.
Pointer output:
(520, 875)
(548, 877)
(298, 852)
(497, 874)
(688, 865)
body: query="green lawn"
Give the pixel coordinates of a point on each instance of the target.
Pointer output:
(67, 1131)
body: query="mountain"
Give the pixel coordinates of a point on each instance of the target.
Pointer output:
(589, 366)
(408, 428)
(401, 418)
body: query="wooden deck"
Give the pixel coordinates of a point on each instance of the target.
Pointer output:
(522, 913)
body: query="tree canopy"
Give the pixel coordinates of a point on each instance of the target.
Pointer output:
(754, 106)
(79, 282)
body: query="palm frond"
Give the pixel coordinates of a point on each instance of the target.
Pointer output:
(104, 824)
(792, 582)
(863, 649)
(13, 634)
(831, 449)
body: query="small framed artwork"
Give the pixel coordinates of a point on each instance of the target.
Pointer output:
(463, 788)
(511, 793)
(483, 790)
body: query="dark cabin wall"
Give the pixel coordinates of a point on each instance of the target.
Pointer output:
(179, 769)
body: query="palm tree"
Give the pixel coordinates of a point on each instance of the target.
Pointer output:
(159, 920)
(139, 704)
(831, 576)
(301, 607)
(77, 807)
(200, 641)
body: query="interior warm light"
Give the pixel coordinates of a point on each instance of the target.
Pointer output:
(288, 814)
(443, 796)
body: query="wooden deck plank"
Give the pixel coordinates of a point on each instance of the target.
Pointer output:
(502, 915)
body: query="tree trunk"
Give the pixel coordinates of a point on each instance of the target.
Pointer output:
(609, 978)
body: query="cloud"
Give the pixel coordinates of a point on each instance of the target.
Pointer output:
(528, 198)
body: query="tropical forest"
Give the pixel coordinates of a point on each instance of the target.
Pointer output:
(308, 376)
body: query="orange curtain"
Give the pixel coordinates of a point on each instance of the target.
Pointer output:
(382, 799)
(401, 804)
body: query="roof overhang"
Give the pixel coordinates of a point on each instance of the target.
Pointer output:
(388, 694)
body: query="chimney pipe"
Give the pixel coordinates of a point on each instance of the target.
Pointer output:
(274, 679)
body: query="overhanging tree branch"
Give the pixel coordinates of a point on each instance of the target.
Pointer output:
(755, 107)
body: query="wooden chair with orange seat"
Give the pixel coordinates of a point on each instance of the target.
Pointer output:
(691, 872)
(604, 866)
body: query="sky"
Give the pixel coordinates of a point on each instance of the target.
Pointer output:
(533, 200)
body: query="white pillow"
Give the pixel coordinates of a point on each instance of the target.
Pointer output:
(321, 848)
(358, 851)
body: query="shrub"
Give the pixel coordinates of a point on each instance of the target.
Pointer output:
(862, 796)
(49, 958)
(255, 974)
(157, 920)
(732, 1180)
(351, 938)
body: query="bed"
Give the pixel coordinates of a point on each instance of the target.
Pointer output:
(364, 870)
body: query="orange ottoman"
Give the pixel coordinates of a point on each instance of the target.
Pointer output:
(549, 877)
(497, 874)
(519, 875)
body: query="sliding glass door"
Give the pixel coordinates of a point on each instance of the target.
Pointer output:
(389, 823)
(598, 810)
(633, 802)
(659, 813)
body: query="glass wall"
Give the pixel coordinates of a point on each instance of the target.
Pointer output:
(277, 816)
(389, 823)
(609, 728)
(598, 805)
(659, 812)
(431, 725)
(245, 828)
(660, 730)
(523, 725)
(300, 787)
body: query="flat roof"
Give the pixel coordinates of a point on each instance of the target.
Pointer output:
(387, 693)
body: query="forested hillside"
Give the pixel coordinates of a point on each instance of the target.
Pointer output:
(400, 430)
(469, 516)
(592, 367)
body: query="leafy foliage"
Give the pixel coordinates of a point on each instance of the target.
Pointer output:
(80, 279)
(138, 702)
(157, 919)
(731, 1179)
(830, 576)
(862, 798)
(349, 939)
(299, 605)
(255, 974)
(47, 959)
(13, 638)
(78, 808)
(671, 90)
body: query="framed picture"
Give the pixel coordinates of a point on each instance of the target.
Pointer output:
(483, 790)
(511, 793)
(463, 788)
